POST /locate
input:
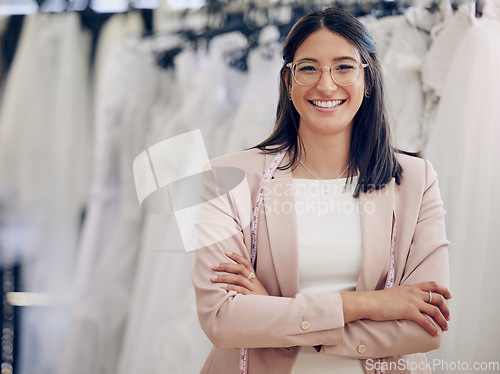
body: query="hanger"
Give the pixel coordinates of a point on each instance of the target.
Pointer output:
(52, 6)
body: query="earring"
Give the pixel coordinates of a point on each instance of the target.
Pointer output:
(367, 93)
(290, 95)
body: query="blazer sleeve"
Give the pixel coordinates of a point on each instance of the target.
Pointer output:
(427, 260)
(232, 320)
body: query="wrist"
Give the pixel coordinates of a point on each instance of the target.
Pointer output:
(354, 305)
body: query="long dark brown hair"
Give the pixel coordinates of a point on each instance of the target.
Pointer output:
(371, 152)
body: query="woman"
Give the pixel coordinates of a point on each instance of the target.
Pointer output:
(360, 286)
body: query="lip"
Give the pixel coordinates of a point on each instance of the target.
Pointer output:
(327, 109)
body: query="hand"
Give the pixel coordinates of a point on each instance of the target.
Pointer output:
(400, 302)
(236, 276)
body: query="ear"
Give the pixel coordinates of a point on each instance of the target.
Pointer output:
(286, 78)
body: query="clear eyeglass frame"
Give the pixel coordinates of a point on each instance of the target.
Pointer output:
(359, 67)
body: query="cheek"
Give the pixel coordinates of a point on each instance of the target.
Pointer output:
(359, 93)
(295, 88)
(298, 93)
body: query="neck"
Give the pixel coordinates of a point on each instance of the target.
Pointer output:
(326, 156)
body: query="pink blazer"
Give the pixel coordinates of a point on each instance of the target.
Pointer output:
(272, 326)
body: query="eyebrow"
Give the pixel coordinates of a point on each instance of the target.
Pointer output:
(335, 59)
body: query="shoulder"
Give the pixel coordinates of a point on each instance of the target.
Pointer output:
(412, 166)
(252, 162)
(247, 160)
(418, 173)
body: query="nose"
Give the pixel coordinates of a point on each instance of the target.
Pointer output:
(326, 84)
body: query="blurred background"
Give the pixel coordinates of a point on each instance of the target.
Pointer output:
(92, 284)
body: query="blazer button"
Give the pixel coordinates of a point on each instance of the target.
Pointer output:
(305, 325)
(361, 348)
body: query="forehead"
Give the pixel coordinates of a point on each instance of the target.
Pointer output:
(325, 45)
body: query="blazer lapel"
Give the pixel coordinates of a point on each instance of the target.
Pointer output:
(279, 208)
(377, 220)
(377, 223)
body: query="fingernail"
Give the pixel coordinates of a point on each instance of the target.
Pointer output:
(213, 279)
(229, 253)
(215, 267)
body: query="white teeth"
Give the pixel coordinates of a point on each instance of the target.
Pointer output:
(327, 104)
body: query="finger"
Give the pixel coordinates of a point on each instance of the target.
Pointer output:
(438, 300)
(234, 279)
(436, 314)
(427, 296)
(441, 290)
(426, 324)
(435, 287)
(239, 289)
(240, 260)
(231, 268)
(235, 269)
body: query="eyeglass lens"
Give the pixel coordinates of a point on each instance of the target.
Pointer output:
(343, 73)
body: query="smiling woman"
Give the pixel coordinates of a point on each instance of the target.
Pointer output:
(323, 112)
(332, 280)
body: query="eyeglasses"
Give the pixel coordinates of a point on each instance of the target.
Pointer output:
(344, 73)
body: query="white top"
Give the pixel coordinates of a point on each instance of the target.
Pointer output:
(329, 243)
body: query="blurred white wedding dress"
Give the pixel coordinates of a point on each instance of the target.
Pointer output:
(464, 149)
(45, 159)
(163, 333)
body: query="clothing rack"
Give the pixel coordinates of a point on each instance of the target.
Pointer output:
(221, 16)
(249, 16)
(198, 27)
(22, 7)
(357, 7)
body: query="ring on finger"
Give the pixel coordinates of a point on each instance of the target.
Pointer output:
(251, 276)
(430, 297)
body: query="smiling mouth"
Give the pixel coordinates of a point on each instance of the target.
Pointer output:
(327, 104)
